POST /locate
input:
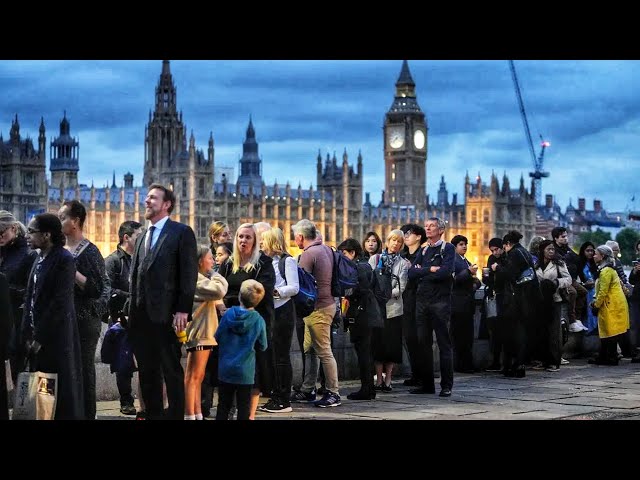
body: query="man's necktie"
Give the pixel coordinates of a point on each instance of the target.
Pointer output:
(149, 239)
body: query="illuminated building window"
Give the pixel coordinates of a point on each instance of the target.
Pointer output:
(474, 239)
(485, 216)
(474, 215)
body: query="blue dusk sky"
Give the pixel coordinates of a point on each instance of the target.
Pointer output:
(588, 110)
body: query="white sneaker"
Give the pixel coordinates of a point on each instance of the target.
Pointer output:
(577, 326)
(564, 362)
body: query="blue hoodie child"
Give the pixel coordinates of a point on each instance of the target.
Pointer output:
(240, 332)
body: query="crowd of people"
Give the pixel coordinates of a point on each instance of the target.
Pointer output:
(230, 304)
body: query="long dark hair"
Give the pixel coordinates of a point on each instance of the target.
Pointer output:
(513, 237)
(593, 268)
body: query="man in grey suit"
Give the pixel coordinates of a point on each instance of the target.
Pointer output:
(164, 271)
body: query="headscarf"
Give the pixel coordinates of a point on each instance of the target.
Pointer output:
(607, 257)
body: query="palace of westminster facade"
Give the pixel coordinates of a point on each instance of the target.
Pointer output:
(336, 203)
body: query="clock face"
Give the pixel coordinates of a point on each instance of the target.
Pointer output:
(419, 139)
(396, 137)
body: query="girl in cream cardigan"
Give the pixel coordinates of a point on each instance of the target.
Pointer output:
(210, 289)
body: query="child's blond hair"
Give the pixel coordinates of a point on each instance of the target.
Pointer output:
(251, 293)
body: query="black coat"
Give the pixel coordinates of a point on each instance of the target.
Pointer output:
(17, 259)
(6, 322)
(464, 288)
(52, 322)
(118, 268)
(364, 308)
(263, 274)
(164, 281)
(520, 300)
(6, 317)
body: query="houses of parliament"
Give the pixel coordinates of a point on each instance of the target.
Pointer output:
(335, 204)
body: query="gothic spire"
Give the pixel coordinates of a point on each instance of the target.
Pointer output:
(166, 92)
(405, 75)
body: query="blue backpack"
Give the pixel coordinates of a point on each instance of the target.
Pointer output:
(345, 275)
(305, 299)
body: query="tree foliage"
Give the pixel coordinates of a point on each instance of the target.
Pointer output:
(627, 238)
(599, 237)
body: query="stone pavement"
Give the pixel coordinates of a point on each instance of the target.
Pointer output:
(578, 391)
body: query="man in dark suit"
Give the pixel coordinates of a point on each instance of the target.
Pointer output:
(164, 271)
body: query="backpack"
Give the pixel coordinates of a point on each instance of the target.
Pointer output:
(305, 299)
(383, 287)
(345, 275)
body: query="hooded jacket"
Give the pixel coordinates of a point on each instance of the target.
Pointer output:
(240, 332)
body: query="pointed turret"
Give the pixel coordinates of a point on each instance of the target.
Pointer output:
(405, 77)
(506, 188)
(65, 152)
(14, 134)
(443, 194)
(113, 183)
(250, 163)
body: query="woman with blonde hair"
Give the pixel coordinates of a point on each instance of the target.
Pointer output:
(248, 263)
(201, 343)
(287, 285)
(612, 308)
(386, 342)
(218, 233)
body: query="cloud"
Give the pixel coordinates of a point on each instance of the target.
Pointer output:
(587, 109)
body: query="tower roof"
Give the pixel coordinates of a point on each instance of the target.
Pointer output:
(405, 77)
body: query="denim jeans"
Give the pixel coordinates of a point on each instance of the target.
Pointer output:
(317, 345)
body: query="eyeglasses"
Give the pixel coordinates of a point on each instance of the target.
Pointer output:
(31, 230)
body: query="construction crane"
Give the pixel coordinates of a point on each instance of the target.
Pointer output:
(538, 162)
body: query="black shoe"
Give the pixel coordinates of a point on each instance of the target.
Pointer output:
(321, 391)
(445, 392)
(378, 388)
(362, 395)
(465, 370)
(128, 409)
(141, 416)
(604, 361)
(412, 382)
(422, 391)
(386, 388)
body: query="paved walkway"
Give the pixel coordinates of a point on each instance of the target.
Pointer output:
(576, 392)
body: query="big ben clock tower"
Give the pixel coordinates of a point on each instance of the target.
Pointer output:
(405, 145)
